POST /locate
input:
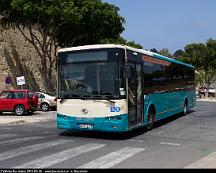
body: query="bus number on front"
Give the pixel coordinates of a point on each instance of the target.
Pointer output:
(115, 109)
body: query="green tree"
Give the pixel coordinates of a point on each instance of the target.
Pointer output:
(203, 57)
(154, 50)
(178, 54)
(122, 41)
(166, 52)
(48, 24)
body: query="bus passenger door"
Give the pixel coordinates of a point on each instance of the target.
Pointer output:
(135, 99)
(139, 96)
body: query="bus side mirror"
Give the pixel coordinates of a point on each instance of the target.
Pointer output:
(128, 71)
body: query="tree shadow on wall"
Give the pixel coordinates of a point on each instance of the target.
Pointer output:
(19, 68)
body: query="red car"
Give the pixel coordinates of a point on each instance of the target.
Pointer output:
(18, 101)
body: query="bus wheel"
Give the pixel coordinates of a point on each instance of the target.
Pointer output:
(150, 122)
(186, 109)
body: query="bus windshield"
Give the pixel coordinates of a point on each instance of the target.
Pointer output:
(92, 74)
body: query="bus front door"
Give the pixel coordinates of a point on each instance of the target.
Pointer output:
(135, 99)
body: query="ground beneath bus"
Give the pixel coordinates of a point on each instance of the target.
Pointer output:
(178, 142)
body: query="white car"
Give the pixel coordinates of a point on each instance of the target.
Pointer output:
(45, 101)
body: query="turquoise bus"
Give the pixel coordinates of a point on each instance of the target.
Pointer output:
(116, 88)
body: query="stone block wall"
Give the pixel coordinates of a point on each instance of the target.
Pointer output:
(18, 58)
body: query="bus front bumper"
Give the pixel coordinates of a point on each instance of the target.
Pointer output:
(109, 124)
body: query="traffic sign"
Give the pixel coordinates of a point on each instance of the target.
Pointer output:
(21, 80)
(8, 80)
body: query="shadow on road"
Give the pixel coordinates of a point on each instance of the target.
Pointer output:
(10, 114)
(119, 136)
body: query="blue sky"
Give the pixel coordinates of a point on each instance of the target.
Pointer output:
(168, 24)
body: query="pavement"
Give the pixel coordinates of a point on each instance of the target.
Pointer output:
(39, 116)
(207, 162)
(206, 99)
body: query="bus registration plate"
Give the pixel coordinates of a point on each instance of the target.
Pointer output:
(86, 126)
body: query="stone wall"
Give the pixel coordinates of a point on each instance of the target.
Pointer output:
(18, 58)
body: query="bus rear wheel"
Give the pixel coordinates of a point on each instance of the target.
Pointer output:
(186, 109)
(151, 119)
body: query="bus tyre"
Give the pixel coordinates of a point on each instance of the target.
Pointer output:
(19, 110)
(185, 111)
(150, 122)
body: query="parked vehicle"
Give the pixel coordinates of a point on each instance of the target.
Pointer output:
(204, 90)
(46, 101)
(18, 101)
(212, 92)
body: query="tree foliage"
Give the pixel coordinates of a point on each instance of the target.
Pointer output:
(178, 54)
(203, 57)
(54, 23)
(122, 41)
(154, 50)
(166, 52)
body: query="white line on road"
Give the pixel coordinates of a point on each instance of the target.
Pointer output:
(21, 139)
(5, 128)
(32, 148)
(113, 158)
(46, 132)
(53, 159)
(167, 143)
(26, 130)
(134, 140)
(206, 162)
(7, 135)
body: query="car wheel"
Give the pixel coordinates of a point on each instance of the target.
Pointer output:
(19, 110)
(45, 107)
(150, 122)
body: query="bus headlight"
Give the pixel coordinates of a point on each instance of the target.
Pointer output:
(114, 118)
(62, 116)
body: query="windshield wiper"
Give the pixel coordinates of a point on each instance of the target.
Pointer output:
(88, 97)
(98, 97)
(108, 98)
(66, 96)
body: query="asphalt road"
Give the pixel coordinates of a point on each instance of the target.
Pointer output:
(176, 142)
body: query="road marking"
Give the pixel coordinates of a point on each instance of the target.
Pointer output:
(133, 140)
(32, 148)
(167, 143)
(7, 135)
(21, 139)
(46, 132)
(5, 128)
(206, 162)
(26, 130)
(113, 158)
(53, 159)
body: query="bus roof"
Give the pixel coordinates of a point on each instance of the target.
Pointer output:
(142, 51)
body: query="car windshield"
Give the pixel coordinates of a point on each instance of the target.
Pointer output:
(30, 94)
(91, 75)
(5, 94)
